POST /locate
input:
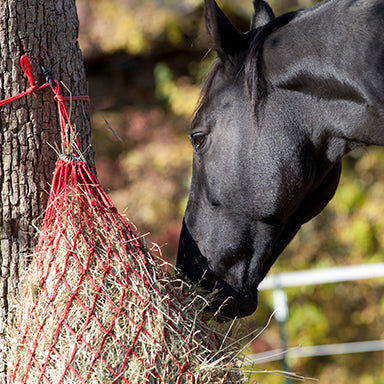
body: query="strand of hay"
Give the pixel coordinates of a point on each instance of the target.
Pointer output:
(95, 306)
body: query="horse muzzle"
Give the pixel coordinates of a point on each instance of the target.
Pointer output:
(228, 302)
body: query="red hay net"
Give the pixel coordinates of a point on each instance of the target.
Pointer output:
(94, 298)
(76, 193)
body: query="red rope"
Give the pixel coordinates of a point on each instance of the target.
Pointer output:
(26, 67)
(65, 124)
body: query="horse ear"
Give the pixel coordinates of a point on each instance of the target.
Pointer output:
(226, 39)
(262, 14)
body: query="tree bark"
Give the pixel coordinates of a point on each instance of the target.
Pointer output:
(46, 31)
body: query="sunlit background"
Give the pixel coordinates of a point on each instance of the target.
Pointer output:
(145, 61)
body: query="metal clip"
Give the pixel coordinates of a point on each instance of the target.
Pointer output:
(48, 76)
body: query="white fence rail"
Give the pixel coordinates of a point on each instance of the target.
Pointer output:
(316, 350)
(322, 276)
(278, 281)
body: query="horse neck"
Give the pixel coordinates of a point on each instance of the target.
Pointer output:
(329, 74)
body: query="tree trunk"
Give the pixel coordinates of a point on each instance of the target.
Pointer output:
(46, 31)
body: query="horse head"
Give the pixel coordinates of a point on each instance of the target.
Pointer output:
(280, 108)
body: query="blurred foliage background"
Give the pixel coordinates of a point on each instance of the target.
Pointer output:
(146, 61)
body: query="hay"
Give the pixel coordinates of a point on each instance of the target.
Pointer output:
(97, 308)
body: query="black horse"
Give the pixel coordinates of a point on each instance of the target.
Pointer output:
(283, 104)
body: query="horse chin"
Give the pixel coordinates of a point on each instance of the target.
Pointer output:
(228, 303)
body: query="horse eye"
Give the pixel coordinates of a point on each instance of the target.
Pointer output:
(198, 140)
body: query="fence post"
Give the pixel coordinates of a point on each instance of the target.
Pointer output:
(280, 303)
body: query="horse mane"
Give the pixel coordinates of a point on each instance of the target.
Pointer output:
(256, 82)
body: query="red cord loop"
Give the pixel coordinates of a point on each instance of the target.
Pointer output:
(26, 67)
(67, 130)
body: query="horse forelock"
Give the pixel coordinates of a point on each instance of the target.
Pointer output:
(255, 82)
(204, 94)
